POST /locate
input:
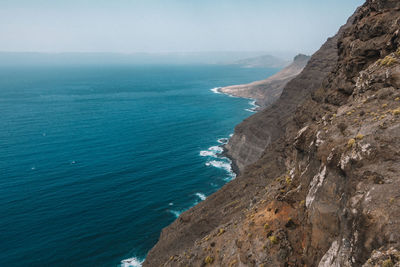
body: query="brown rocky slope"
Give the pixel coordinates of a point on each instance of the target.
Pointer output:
(326, 192)
(269, 90)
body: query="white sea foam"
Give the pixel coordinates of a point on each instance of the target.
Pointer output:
(176, 213)
(254, 106)
(216, 90)
(201, 196)
(206, 153)
(212, 151)
(132, 262)
(220, 164)
(217, 149)
(223, 141)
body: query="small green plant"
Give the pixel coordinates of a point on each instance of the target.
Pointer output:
(388, 61)
(266, 226)
(351, 143)
(273, 239)
(359, 136)
(288, 180)
(221, 231)
(209, 260)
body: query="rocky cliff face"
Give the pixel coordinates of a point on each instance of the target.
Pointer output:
(269, 90)
(326, 191)
(254, 134)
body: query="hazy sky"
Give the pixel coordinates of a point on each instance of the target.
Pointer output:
(170, 25)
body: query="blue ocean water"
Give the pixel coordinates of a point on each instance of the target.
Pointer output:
(96, 160)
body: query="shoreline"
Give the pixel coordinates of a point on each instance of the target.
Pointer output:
(254, 109)
(216, 154)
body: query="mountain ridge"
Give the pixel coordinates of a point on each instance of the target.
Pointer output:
(324, 191)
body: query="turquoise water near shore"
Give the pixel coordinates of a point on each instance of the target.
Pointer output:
(96, 160)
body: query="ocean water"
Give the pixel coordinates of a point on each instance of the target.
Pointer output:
(96, 160)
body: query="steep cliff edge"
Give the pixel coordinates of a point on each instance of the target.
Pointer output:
(255, 133)
(325, 192)
(269, 90)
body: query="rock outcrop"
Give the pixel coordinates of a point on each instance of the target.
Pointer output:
(267, 91)
(324, 191)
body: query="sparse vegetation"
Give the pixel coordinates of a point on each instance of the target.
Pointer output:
(388, 61)
(359, 136)
(288, 180)
(209, 260)
(266, 226)
(221, 231)
(351, 143)
(273, 239)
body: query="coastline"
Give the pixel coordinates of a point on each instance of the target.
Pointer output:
(218, 158)
(253, 109)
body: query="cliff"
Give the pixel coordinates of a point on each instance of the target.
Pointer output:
(325, 192)
(254, 134)
(269, 90)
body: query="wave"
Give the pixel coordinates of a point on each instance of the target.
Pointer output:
(176, 213)
(220, 164)
(132, 262)
(225, 164)
(206, 153)
(201, 196)
(223, 141)
(212, 152)
(254, 107)
(216, 90)
(217, 149)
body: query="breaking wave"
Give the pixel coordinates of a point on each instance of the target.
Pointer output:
(132, 262)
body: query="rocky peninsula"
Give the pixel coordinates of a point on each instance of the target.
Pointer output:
(267, 91)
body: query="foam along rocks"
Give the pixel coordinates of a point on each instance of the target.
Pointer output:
(132, 262)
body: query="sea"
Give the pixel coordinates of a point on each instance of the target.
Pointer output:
(95, 160)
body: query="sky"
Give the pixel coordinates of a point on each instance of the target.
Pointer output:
(129, 26)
